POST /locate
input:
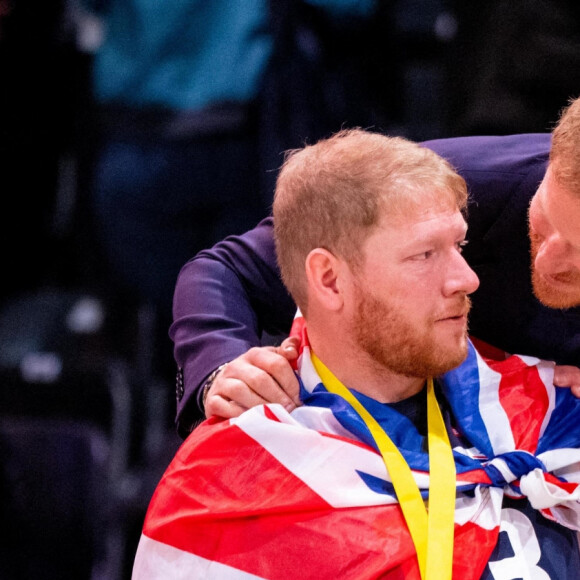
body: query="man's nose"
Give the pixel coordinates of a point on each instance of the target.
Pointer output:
(461, 278)
(551, 255)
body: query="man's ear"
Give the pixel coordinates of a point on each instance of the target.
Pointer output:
(325, 272)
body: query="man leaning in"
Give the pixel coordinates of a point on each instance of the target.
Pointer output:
(413, 456)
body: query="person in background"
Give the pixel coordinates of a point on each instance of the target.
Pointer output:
(177, 165)
(524, 201)
(369, 235)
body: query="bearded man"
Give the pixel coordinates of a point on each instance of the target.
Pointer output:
(404, 460)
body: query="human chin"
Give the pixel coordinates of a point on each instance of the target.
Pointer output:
(437, 359)
(448, 355)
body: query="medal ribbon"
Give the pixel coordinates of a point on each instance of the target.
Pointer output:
(431, 529)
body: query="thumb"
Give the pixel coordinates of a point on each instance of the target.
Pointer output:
(289, 348)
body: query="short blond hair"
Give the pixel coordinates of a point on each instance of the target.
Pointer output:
(565, 150)
(332, 194)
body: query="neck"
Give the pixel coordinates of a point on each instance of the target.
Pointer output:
(355, 369)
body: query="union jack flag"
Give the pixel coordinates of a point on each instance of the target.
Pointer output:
(306, 494)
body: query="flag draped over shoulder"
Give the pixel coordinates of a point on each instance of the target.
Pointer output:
(276, 495)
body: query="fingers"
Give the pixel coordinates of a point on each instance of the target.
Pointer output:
(565, 375)
(219, 406)
(568, 376)
(289, 348)
(261, 375)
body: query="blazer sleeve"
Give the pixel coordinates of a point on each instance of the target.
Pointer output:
(227, 299)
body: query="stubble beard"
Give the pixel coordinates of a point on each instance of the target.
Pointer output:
(393, 342)
(546, 293)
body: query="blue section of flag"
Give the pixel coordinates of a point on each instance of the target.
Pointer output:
(461, 389)
(563, 430)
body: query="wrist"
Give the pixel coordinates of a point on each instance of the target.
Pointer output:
(209, 382)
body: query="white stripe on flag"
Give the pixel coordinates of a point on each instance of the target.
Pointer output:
(157, 561)
(312, 457)
(497, 423)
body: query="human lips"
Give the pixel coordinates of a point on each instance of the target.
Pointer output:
(561, 279)
(456, 315)
(456, 311)
(456, 318)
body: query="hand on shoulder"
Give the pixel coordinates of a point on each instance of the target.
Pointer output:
(261, 375)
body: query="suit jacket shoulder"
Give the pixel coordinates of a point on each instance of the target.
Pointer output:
(499, 171)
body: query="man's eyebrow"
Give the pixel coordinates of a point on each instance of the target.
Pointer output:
(455, 230)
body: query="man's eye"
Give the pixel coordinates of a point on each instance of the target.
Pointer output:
(424, 255)
(461, 245)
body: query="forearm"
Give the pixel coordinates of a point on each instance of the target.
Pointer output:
(225, 298)
(204, 332)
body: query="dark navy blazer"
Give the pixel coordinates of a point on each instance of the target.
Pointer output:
(228, 296)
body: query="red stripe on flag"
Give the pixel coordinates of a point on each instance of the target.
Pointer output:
(226, 499)
(298, 329)
(473, 476)
(487, 351)
(523, 396)
(567, 486)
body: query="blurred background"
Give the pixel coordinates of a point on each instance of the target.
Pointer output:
(134, 133)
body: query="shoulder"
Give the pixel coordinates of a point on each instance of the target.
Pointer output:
(511, 154)
(500, 171)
